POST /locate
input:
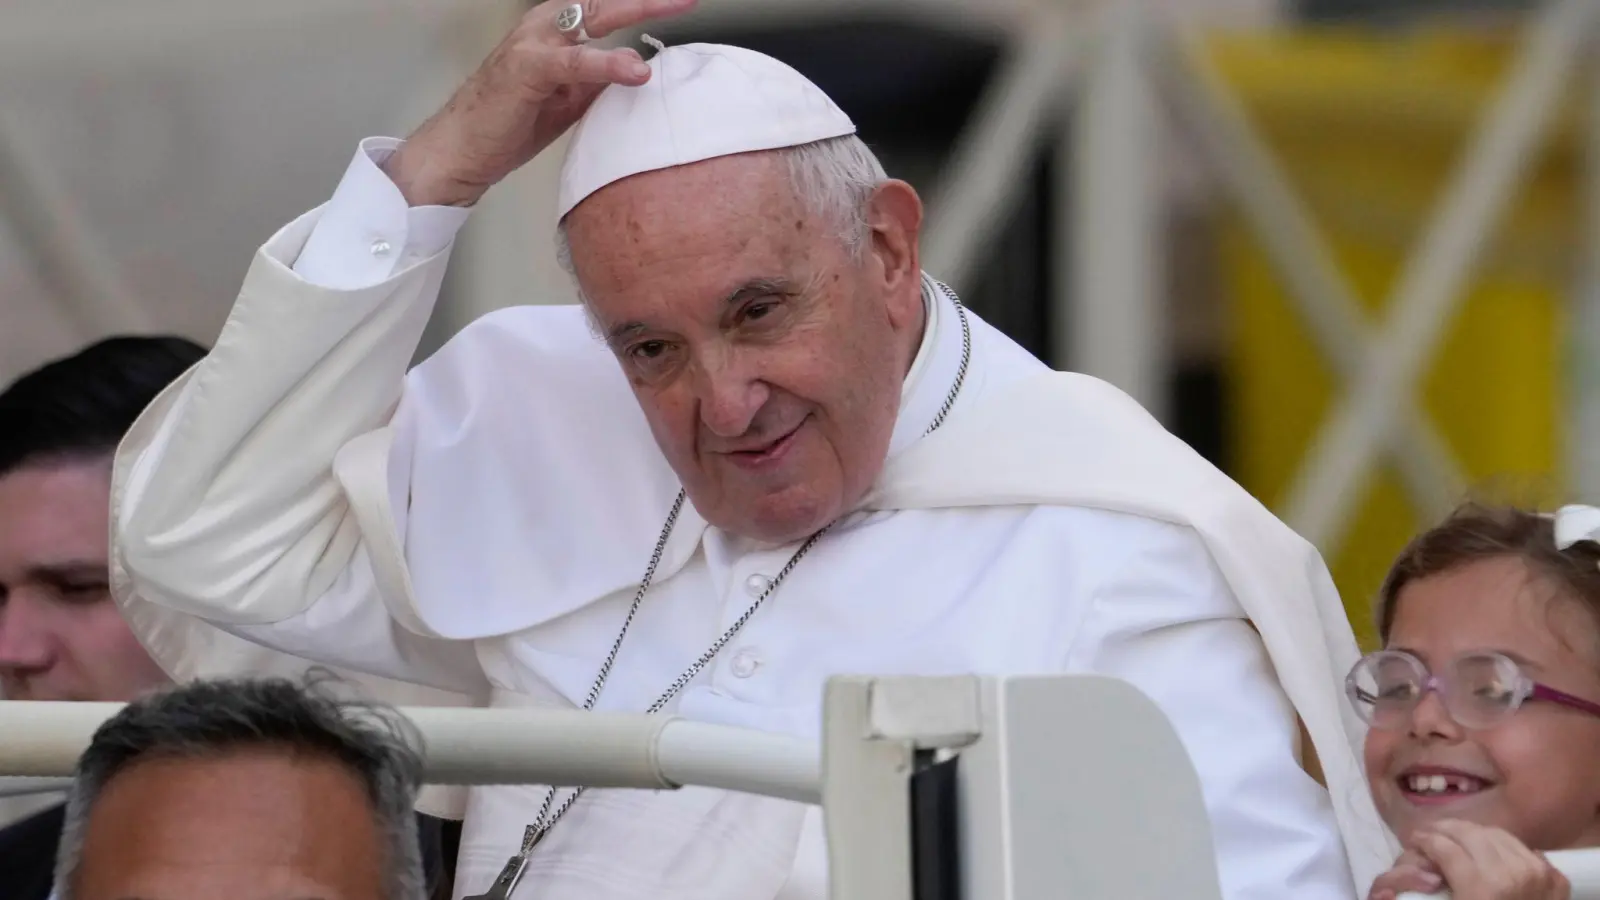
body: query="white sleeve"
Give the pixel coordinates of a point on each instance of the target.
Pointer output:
(366, 232)
(227, 505)
(1167, 623)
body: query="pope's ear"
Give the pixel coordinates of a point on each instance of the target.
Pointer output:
(894, 218)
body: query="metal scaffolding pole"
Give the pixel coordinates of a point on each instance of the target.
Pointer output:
(1326, 303)
(1331, 479)
(1583, 335)
(1110, 318)
(990, 162)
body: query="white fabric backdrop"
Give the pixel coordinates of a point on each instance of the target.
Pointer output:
(182, 136)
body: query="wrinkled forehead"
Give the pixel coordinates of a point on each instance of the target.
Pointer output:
(692, 220)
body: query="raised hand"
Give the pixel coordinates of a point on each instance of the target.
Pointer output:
(530, 90)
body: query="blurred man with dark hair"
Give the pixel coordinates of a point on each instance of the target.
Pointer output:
(245, 790)
(61, 637)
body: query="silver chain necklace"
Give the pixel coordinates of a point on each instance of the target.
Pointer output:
(507, 880)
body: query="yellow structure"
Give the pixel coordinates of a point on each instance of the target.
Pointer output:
(1369, 127)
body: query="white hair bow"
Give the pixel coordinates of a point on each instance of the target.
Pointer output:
(1576, 523)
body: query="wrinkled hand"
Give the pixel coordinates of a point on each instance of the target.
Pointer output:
(530, 90)
(1412, 873)
(1482, 863)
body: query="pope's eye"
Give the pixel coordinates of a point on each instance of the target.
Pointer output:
(649, 349)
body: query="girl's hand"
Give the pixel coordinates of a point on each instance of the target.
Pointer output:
(1412, 873)
(1482, 863)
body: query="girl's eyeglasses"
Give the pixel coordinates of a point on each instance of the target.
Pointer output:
(1479, 690)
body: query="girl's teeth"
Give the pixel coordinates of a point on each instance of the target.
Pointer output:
(1441, 784)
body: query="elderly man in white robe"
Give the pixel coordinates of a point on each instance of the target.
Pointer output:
(767, 449)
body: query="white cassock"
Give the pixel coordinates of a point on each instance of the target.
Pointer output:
(479, 526)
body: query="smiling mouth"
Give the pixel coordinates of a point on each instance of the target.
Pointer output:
(1436, 787)
(767, 454)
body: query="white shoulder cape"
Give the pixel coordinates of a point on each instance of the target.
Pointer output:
(1062, 439)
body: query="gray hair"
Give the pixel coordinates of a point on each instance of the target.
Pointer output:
(215, 718)
(834, 177)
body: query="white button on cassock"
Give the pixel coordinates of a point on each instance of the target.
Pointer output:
(756, 584)
(745, 664)
(381, 248)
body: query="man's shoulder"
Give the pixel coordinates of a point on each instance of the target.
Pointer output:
(28, 855)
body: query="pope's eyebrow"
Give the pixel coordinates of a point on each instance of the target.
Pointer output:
(617, 333)
(761, 287)
(765, 286)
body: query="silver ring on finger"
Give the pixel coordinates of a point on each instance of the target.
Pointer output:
(570, 24)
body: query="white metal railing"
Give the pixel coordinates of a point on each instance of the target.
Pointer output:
(499, 746)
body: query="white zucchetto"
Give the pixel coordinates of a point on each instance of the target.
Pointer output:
(702, 101)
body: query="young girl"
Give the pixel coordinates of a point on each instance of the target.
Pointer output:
(1485, 703)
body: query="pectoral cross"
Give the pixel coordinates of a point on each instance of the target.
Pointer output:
(511, 873)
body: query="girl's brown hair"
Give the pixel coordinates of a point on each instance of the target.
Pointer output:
(1479, 531)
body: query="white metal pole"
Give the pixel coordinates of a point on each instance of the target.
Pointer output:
(990, 162)
(1330, 481)
(501, 746)
(1289, 237)
(1110, 316)
(1582, 350)
(737, 759)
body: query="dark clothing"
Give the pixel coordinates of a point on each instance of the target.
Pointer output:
(441, 841)
(449, 851)
(28, 854)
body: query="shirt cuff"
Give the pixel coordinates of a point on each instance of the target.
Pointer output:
(367, 234)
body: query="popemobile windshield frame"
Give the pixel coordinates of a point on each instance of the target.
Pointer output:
(932, 788)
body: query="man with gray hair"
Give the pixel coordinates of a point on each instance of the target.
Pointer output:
(249, 790)
(766, 449)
